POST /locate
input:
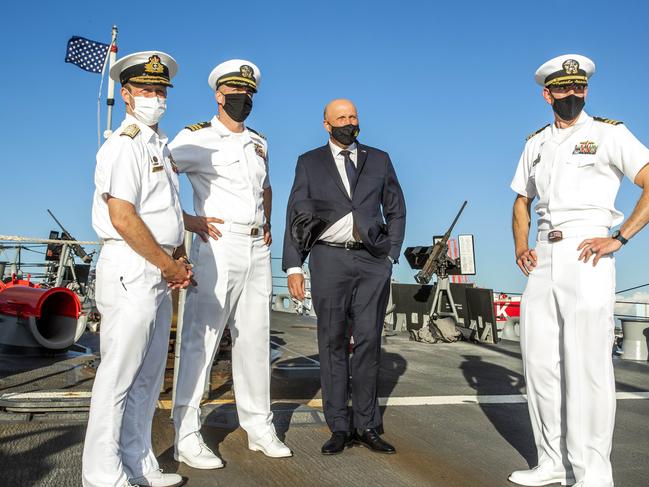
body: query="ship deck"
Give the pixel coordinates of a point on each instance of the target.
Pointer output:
(455, 412)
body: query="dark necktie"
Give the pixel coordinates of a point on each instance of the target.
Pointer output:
(352, 176)
(350, 169)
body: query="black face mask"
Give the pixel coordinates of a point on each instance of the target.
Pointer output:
(568, 108)
(238, 106)
(346, 134)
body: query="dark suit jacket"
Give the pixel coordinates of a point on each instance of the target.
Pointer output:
(318, 199)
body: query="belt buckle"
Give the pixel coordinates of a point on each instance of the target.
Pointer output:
(254, 231)
(349, 245)
(555, 236)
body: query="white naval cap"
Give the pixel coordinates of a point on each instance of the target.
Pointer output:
(146, 67)
(564, 70)
(236, 72)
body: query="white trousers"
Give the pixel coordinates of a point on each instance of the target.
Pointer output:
(234, 288)
(567, 333)
(135, 307)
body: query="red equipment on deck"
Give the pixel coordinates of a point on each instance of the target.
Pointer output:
(51, 315)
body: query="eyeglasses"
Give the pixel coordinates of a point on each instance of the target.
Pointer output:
(566, 88)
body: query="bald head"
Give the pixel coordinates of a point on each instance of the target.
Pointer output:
(341, 113)
(337, 107)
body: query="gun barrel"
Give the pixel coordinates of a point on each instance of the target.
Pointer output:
(457, 217)
(57, 221)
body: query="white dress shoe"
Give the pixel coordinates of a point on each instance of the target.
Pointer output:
(193, 451)
(157, 479)
(270, 446)
(540, 476)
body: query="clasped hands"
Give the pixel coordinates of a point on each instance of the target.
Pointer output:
(178, 273)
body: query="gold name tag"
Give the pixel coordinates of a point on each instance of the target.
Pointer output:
(156, 168)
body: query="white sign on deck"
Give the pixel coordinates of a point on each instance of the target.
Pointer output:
(467, 254)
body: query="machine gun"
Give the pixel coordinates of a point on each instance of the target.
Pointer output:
(76, 248)
(434, 259)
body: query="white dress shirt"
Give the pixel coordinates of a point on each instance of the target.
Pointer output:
(342, 230)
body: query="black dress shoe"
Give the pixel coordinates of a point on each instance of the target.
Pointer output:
(370, 438)
(337, 443)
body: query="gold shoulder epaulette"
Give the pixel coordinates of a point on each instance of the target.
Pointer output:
(255, 132)
(607, 120)
(197, 126)
(537, 132)
(131, 131)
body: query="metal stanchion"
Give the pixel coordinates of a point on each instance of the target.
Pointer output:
(179, 327)
(63, 263)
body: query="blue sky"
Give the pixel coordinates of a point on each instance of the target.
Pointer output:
(446, 88)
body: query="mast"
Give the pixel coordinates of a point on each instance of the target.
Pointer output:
(110, 97)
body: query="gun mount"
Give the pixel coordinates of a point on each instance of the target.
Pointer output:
(76, 248)
(435, 260)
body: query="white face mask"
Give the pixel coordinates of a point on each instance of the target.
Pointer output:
(149, 110)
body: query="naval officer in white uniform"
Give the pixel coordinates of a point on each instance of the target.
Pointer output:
(573, 167)
(136, 213)
(227, 165)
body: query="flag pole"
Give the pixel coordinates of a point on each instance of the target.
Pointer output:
(110, 98)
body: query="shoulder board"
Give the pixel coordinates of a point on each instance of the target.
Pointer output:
(607, 120)
(197, 126)
(537, 132)
(131, 131)
(255, 132)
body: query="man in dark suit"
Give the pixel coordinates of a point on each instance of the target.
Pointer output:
(346, 210)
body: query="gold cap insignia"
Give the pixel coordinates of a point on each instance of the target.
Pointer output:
(570, 66)
(154, 65)
(246, 71)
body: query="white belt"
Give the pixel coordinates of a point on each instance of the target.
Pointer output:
(557, 234)
(169, 249)
(252, 230)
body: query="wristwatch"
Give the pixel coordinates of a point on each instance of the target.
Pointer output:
(618, 236)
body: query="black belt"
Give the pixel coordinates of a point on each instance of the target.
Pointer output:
(351, 245)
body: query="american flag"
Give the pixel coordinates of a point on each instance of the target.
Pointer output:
(87, 54)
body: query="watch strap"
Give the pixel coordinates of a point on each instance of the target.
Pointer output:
(618, 236)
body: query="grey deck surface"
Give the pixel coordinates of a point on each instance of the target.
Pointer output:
(437, 445)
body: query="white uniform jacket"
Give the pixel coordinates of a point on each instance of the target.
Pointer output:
(135, 165)
(576, 172)
(228, 171)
